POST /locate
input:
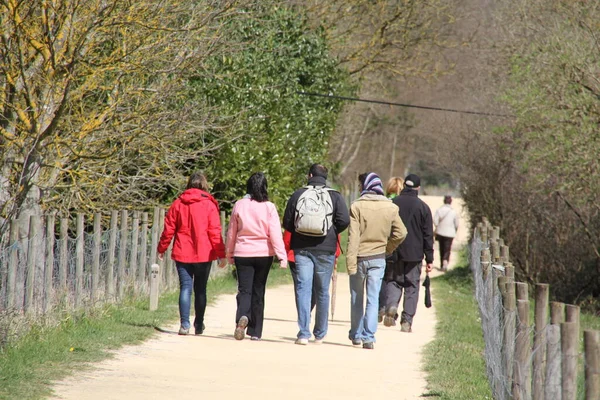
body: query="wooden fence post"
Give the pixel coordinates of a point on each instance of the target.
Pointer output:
(572, 313)
(63, 263)
(553, 387)
(122, 255)
(96, 256)
(539, 340)
(484, 233)
(488, 281)
(13, 263)
(135, 236)
(591, 341)
(143, 251)
(495, 252)
(557, 312)
(154, 230)
(504, 254)
(570, 346)
(154, 282)
(522, 291)
(32, 250)
(163, 262)
(509, 271)
(79, 254)
(49, 263)
(495, 234)
(508, 345)
(112, 244)
(522, 387)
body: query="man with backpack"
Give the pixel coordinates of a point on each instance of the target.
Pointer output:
(315, 215)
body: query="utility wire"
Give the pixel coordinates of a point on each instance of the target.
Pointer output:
(331, 96)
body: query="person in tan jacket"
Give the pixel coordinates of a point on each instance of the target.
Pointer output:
(375, 230)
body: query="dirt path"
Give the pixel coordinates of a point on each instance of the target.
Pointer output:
(215, 366)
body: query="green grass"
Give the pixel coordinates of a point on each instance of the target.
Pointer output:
(454, 360)
(29, 367)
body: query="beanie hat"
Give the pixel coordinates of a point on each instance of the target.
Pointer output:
(372, 184)
(412, 181)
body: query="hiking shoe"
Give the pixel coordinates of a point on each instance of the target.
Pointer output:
(301, 341)
(405, 326)
(200, 331)
(183, 331)
(390, 317)
(380, 315)
(254, 338)
(368, 345)
(356, 342)
(240, 329)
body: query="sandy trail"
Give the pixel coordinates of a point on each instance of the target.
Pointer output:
(215, 366)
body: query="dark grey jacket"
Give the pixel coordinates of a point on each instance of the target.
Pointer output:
(340, 219)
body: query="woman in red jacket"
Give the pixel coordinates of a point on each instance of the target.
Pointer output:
(194, 220)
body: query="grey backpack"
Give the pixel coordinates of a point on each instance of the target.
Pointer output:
(314, 211)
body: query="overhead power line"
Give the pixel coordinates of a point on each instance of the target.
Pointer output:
(331, 96)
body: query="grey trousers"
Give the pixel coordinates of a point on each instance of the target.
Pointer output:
(403, 277)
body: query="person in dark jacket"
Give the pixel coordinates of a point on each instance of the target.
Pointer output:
(405, 274)
(314, 256)
(194, 220)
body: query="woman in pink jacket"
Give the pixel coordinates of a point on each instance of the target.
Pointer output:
(254, 237)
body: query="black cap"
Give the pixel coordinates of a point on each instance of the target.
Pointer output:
(412, 181)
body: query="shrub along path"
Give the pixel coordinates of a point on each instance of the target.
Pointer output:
(215, 366)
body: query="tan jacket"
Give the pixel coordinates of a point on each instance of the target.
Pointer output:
(375, 228)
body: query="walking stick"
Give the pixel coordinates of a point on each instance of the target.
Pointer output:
(333, 289)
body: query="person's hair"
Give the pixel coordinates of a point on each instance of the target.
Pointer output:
(197, 181)
(394, 186)
(361, 179)
(318, 170)
(256, 187)
(447, 199)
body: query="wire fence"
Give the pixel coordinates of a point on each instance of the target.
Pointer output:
(529, 358)
(66, 264)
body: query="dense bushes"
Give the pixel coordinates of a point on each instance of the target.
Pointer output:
(275, 129)
(538, 178)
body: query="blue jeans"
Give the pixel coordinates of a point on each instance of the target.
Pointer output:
(309, 265)
(193, 275)
(294, 272)
(363, 324)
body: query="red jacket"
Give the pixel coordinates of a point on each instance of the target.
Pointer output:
(195, 222)
(287, 239)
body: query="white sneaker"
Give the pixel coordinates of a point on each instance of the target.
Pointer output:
(319, 341)
(302, 341)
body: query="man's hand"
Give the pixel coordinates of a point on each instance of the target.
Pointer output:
(160, 256)
(222, 262)
(428, 267)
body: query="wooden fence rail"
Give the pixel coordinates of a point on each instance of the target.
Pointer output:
(538, 361)
(76, 265)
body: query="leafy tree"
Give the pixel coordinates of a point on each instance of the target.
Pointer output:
(91, 106)
(276, 130)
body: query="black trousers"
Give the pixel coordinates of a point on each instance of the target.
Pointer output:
(403, 277)
(252, 274)
(445, 248)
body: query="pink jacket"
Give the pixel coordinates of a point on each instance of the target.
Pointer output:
(255, 231)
